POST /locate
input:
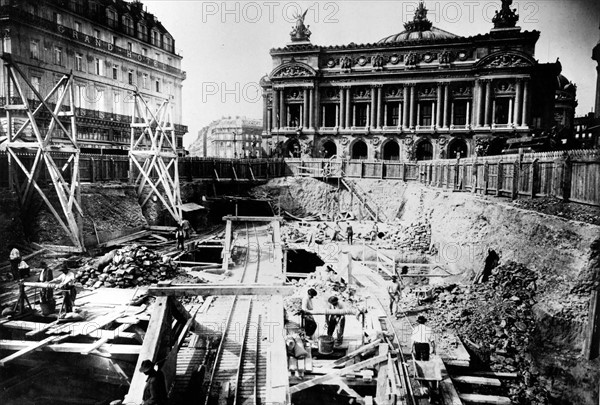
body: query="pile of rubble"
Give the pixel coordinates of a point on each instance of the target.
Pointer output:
(130, 266)
(499, 332)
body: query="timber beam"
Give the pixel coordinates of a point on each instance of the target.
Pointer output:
(238, 218)
(184, 290)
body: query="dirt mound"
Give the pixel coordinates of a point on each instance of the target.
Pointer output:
(508, 334)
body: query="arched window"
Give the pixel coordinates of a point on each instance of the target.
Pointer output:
(457, 148)
(391, 151)
(424, 151)
(329, 149)
(359, 150)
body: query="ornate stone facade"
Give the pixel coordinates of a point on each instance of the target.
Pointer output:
(421, 94)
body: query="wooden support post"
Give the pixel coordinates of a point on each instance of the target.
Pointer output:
(566, 179)
(515, 183)
(486, 177)
(499, 179)
(227, 245)
(533, 174)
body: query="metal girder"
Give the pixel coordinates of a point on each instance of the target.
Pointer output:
(153, 152)
(58, 137)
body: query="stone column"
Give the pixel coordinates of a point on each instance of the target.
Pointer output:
(446, 105)
(385, 114)
(452, 114)
(373, 118)
(337, 115)
(316, 122)
(353, 114)
(468, 118)
(342, 110)
(510, 111)
(518, 103)
(305, 109)
(269, 120)
(275, 108)
(488, 103)
(439, 119)
(348, 108)
(413, 99)
(476, 103)
(311, 109)
(265, 112)
(282, 112)
(379, 107)
(405, 105)
(525, 113)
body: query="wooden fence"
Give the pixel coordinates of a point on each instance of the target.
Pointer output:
(572, 176)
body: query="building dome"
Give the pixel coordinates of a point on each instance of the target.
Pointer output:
(420, 28)
(564, 83)
(431, 34)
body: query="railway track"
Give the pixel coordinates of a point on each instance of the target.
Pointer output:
(239, 369)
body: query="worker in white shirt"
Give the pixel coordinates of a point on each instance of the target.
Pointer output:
(335, 323)
(308, 321)
(423, 343)
(66, 283)
(15, 258)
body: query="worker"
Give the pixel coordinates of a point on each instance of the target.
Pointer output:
(349, 233)
(66, 283)
(336, 231)
(180, 237)
(374, 232)
(15, 258)
(335, 323)
(155, 390)
(395, 293)
(308, 321)
(422, 340)
(187, 228)
(47, 294)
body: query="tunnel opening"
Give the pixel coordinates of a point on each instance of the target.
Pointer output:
(238, 206)
(300, 263)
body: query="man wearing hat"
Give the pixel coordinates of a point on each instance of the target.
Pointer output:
(47, 294)
(335, 322)
(66, 283)
(422, 340)
(155, 391)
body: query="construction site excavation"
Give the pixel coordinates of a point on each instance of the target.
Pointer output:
(414, 221)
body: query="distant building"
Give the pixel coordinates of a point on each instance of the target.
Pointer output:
(238, 137)
(587, 132)
(112, 47)
(423, 93)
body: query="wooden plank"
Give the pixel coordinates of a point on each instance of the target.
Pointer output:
(484, 399)
(28, 349)
(251, 219)
(496, 374)
(150, 348)
(103, 340)
(321, 379)
(343, 360)
(223, 289)
(485, 381)
(206, 304)
(69, 347)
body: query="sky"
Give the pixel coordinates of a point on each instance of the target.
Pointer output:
(225, 44)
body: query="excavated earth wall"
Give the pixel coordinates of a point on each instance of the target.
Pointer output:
(563, 253)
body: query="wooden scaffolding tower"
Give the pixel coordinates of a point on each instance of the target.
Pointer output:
(153, 153)
(29, 139)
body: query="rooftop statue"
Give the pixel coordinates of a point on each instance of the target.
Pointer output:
(300, 32)
(420, 21)
(506, 18)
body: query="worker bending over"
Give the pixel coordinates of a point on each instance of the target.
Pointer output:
(335, 323)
